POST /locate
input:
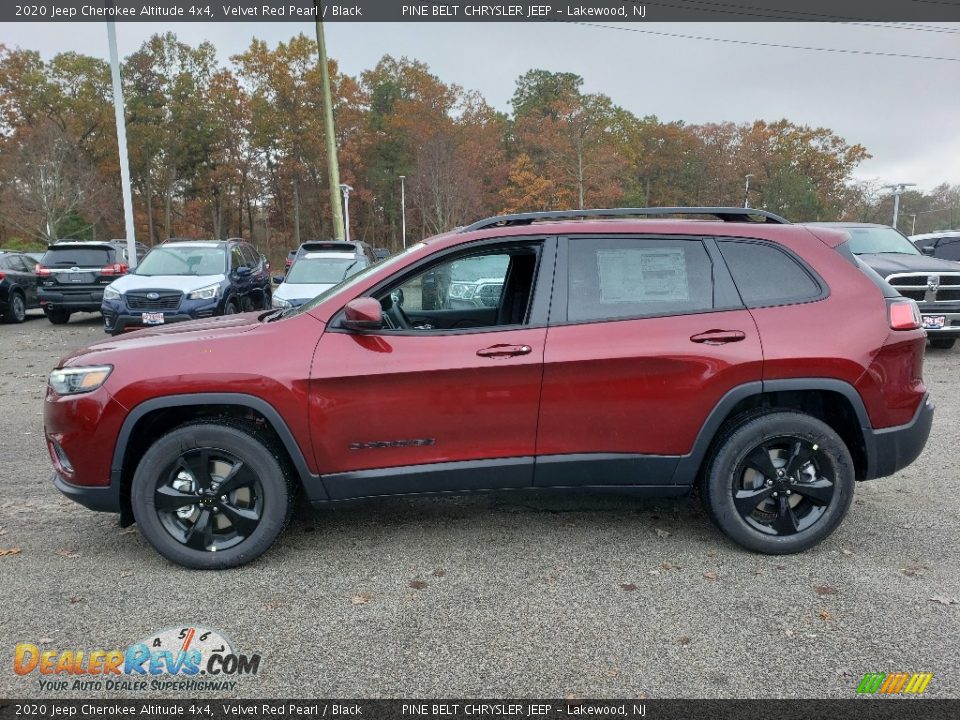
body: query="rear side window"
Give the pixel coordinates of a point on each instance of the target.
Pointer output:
(79, 256)
(766, 275)
(615, 278)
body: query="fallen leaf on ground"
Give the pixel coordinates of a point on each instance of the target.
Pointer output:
(666, 566)
(613, 672)
(10, 551)
(272, 605)
(132, 530)
(126, 573)
(418, 584)
(683, 640)
(788, 633)
(74, 600)
(943, 600)
(439, 572)
(710, 575)
(361, 599)
(847, 552)
(662, 533)
(824, 615)
(825, 590)
(758, 572)
(629, 587)
(45, 641)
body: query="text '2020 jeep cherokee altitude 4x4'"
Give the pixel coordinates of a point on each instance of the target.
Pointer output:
(626, 354)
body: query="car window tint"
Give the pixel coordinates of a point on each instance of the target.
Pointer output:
(611, 278)
(79, 256)
(29, 262)
(250, 256)
(16, 263)
(466, 283)
(949, 249)
(4, 262)
(236, 257)
(766, 275)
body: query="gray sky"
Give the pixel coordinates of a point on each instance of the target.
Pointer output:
(905, 111)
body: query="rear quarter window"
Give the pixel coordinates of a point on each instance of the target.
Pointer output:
(766, 275)
(79, 257)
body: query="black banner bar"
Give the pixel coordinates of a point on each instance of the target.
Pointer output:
(481, 11)
(853, 709)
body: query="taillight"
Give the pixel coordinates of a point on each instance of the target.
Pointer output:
(115, 269)
(2, 276)
(42, 271)
(904, 315)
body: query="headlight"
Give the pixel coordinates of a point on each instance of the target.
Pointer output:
(207, 293)
(462, 290)
(110, 294)
(75, 380)
(281, 303)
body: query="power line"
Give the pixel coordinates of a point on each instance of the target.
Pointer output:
(754, 43)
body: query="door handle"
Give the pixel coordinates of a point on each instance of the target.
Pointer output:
(719, 337)
(504, 350)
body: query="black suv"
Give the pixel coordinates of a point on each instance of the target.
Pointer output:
(933, 282)
(18, 286)
(73, 273)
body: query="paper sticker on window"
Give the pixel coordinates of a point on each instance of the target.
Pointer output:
(643, 275)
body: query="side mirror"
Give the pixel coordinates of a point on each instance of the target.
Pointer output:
(243, 271)
(928, 250)
(277, 279)
(363, 314)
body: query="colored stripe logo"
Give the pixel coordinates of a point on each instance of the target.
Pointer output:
(894, 683)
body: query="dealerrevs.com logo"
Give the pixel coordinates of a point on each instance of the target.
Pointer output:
(178, 659)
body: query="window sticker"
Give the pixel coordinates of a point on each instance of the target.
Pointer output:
(643, 275)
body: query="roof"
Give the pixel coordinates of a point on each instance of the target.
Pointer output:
(941, 234)
(841, 224)
(196, 243)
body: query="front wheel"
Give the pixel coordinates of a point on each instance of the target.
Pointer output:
(779, 482)
(211, 496)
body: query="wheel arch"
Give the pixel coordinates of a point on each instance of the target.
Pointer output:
(835, 402)
(152, 418)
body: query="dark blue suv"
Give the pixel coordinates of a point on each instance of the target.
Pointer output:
(188, 280)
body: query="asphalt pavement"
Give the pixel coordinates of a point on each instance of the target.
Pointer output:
(500, 595)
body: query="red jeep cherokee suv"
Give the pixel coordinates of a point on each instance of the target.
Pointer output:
(754, 358)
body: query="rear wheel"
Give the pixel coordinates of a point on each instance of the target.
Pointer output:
(779, 482)
(17, 309)
(231, 308)
(942, 343)
(211, 495)
(267, 300)
(58, 317)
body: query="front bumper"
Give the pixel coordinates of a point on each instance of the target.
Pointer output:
(99, 498)
(892, 449)
(951, 326)
(118, 318)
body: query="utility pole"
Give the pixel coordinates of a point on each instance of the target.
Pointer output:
(403, 212)
(746, 191)
(898, 189)
(122, 142)
(913, 227)
(333, 167)
(346, 208)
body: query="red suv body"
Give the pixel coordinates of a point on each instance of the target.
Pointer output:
(757, 360)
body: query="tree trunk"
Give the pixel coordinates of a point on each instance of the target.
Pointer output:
(150, 229)
(296, 213)
(166, 213)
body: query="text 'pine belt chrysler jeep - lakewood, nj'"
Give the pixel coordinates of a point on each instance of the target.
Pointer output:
(624, 351)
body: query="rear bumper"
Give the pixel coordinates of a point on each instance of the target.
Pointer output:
(99, 498)
(892, 449)
(74, 301)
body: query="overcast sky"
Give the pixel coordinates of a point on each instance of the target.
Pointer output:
(905, 111)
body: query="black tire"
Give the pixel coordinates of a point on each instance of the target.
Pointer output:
(942, 343)
(231, 308)
(221, 530)
(267, 303)
(17, 308)
(58, 317)
(799, 502)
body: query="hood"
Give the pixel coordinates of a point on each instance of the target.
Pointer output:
(176, 333)
(183, 283)
(889, 264)
(300, 291)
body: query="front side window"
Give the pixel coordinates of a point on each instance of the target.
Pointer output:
(766, 275)
(617, 278)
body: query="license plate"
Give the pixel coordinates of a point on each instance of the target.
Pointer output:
(79, 278)
(934, 322)
(152, 318)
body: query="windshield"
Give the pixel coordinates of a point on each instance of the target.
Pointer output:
(353, 280)
(879, 240)
(320, 270)
(183, 260)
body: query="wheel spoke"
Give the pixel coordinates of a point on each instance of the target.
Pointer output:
(200, 534)
(819, 492)
(244, 520)
(786, 521)
(239, 476)
(801, 453)
(197, 464)
(168, 499)
(760, 461)
(747, 500)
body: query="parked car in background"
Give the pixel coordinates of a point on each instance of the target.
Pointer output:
(476, 281)
(186, 280)
(381, 253)
(18, 286)
(934, 283)
(72, 275)
(645, 356)
(318, 267)
(291, 256)
(944, 244)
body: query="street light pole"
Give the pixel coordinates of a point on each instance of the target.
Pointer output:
(913, 228)
(898, 189)
(403, 212)
(746, 191)
(122, 143)
(346, 209)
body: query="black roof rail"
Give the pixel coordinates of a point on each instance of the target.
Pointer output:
(726, 214)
